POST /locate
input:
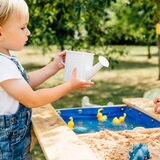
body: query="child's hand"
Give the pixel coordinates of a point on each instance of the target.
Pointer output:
(59, 58)
(157, 104)
(78, 84)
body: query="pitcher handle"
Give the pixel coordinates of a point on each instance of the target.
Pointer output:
(62, 62)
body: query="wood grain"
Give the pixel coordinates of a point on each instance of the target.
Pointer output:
(57, 141)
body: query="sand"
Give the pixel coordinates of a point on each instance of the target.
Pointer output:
(115, 145)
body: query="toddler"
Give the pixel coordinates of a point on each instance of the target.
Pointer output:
(17, 96)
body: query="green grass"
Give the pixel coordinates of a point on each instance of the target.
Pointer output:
(134, 75)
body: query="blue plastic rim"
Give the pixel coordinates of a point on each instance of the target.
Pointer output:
(85, 119)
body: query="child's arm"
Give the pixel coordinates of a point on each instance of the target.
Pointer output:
(20, 90)
(38, 77)
(157, 104)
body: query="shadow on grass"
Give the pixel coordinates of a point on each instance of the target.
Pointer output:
(120, 66)
(32, 66)
(37, 153)
(133, 65)
(101, 94)
(145, 55)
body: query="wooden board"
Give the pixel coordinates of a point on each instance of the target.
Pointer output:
(57, 141)
(144, 105)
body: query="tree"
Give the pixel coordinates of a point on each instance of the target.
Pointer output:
(135, 21)
(55, 23)
(72, 24)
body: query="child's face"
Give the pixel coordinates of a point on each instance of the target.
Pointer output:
(14, 34)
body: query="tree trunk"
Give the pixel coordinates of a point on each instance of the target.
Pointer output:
(149, 50)
(159, 56)
(158, 43)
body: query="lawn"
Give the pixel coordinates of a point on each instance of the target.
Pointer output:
(131, 77)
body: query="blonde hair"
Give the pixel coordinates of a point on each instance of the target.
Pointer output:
(8, 7)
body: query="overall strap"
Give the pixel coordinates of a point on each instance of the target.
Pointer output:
(23, 73)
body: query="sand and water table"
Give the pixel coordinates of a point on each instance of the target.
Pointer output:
(58, 142)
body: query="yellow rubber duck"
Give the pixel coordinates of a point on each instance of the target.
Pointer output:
(100, 116)
(122, 118)
(119, 120)
(71, 123)
(116, 121)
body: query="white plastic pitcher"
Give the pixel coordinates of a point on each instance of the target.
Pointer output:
(83, 61)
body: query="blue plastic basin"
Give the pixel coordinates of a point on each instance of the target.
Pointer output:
(85, 119)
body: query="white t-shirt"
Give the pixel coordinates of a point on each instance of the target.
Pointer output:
(8, 70)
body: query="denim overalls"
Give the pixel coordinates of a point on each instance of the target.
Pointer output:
(15, 135)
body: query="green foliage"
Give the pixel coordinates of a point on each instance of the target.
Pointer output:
(72, 24)
(84, 25)
(68, 21)
(52, 22)
(134, 20)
